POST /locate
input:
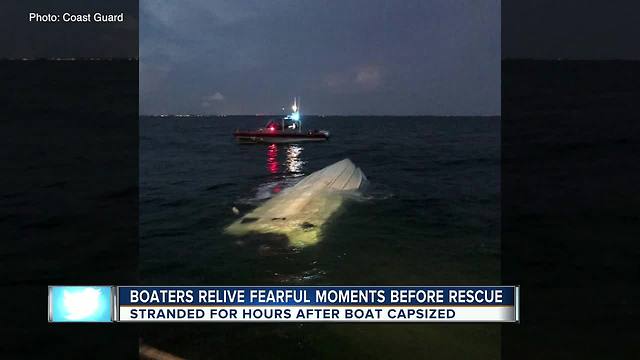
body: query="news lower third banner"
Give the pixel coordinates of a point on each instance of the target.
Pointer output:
(284, 304)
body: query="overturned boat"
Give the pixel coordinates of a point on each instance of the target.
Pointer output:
(300, 211)
(282, 131)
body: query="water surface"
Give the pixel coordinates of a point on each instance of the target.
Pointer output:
(430, 216)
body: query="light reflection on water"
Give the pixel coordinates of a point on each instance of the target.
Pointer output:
(272, 159)
(282, 171)
(293, 162)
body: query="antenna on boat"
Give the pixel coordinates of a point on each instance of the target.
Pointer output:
(295, 114)
(299, 120)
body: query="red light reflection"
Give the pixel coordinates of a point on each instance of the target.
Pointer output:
(272, 159)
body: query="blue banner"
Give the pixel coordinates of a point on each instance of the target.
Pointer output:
(317, 295)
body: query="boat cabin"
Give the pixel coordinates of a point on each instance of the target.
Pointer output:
(282, 125)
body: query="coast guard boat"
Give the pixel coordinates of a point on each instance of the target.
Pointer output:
(282, 131)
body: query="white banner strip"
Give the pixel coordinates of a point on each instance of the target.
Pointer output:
(317, 313)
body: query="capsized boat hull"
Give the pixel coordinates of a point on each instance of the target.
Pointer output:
(300, 212)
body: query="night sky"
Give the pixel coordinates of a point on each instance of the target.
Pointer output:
(410, 57)
(341, 57)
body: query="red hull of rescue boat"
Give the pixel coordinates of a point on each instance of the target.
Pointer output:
(279, 137)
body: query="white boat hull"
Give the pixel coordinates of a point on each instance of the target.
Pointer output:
(300, 212)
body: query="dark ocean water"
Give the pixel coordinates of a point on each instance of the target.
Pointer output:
(430, 216)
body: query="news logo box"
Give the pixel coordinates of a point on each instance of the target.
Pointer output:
(81, 304)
